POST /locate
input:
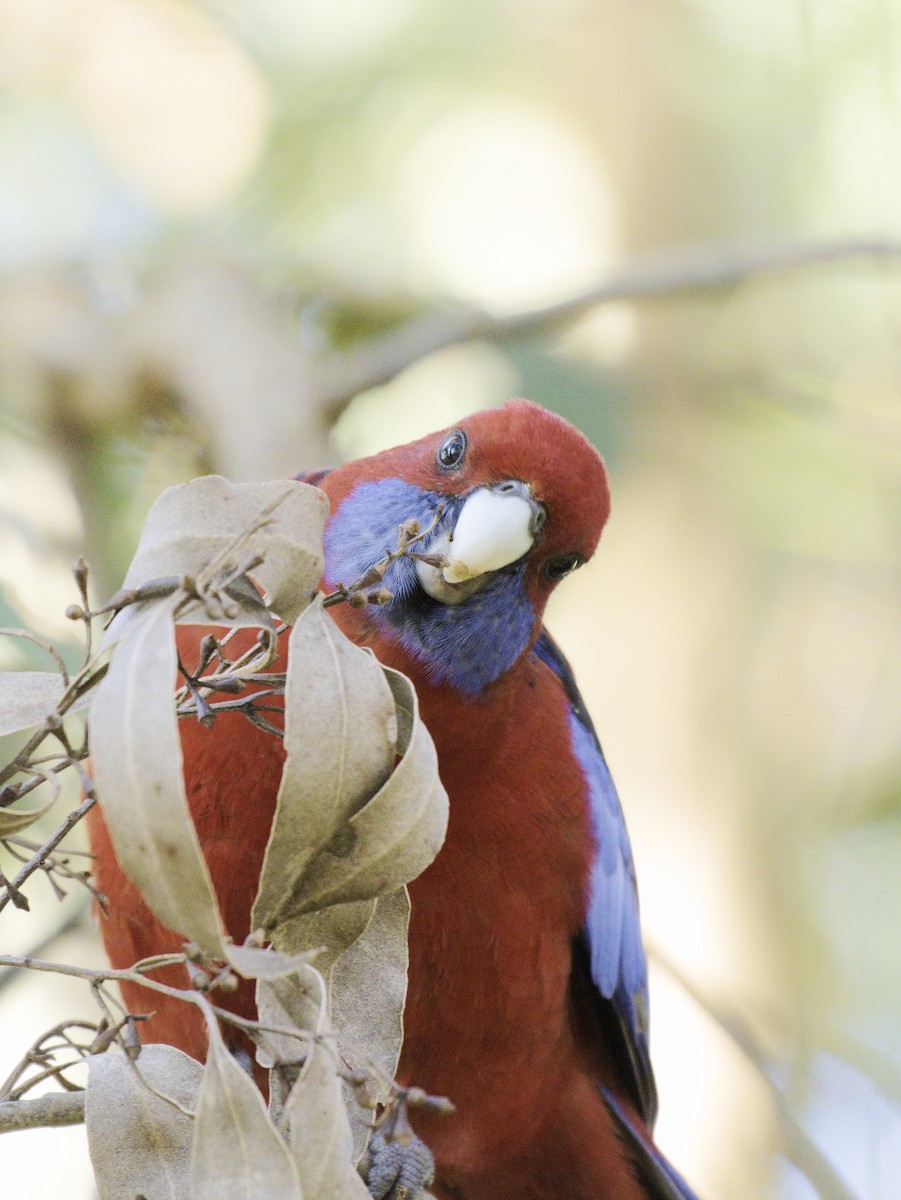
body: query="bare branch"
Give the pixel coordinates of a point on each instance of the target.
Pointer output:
(37, 861)
(655, 278)
(56, 1108)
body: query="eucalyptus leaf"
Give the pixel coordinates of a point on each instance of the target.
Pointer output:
(237, 1152)
(318, 1131)
(329, 931)
(137, 764)
(368, 988)
(14, 820)
(139, 1143)
(296, 1001)
(254, 963)
(27, 698)
(194, 523)
(393, 837)
(319, 1134)
(340, 740)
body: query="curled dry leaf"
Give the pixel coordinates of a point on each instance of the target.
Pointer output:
(295, 1002)
(193, 524)
(340, 739)
(27, 698)
(254, 963)
(394, 836)
(347, 828)
(13, 821)
(237, 1152)
(137, 764)
(139, 1143)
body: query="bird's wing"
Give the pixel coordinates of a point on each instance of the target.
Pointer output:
(661, 1180)
(609, 945)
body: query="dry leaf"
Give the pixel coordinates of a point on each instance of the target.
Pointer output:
(367, 990)
(340, 737)
(330, 931)
(294, 1002)
(297, 1001)
(27, 698)
(314, 1115)
(193, 523)
(393, 837)
(137, 765)
(139, 1143)
(237, 1152)
(253, 963)
(319, 1134)
(13, 821)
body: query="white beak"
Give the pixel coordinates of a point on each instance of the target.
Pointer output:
(494, 528)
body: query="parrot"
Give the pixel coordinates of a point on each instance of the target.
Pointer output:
(527, 1002)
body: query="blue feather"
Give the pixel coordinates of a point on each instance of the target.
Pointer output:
(467, 645)
(612, 932)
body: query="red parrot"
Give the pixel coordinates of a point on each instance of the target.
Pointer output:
(527, 1003)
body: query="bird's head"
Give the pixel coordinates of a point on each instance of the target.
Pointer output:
(505, 504)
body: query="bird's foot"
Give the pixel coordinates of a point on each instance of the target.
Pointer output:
(396, 1169)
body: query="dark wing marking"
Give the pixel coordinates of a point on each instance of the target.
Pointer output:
(611, 936)
(659, 1178)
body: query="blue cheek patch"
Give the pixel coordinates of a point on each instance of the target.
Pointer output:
(468, 645)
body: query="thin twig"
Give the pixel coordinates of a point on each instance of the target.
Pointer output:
(37, 861)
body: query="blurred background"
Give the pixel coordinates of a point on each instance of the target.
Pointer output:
(246, 237)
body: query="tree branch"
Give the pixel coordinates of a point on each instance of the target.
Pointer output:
(38, 860)
(56, 1108)
(655, 278)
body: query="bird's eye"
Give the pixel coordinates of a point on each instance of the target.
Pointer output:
(452, 451)
(563, 564)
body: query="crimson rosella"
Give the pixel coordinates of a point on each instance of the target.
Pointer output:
(527, 1003)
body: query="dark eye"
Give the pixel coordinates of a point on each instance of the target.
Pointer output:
(563, 564)
(452, 451)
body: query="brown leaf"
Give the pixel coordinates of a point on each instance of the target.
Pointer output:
(254, 963)
(297, 1001)
(137, 763)
(140, 1144)
(237, 1152)
(340, 736)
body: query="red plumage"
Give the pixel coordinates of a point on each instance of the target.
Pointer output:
(497, 1018)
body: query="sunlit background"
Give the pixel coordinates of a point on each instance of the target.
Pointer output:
(206, 209)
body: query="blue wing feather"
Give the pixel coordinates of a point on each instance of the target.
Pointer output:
(611, 933)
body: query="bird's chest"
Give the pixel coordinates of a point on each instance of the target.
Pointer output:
(494, 916)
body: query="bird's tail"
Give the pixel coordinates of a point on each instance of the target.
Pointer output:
(661, 1180)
